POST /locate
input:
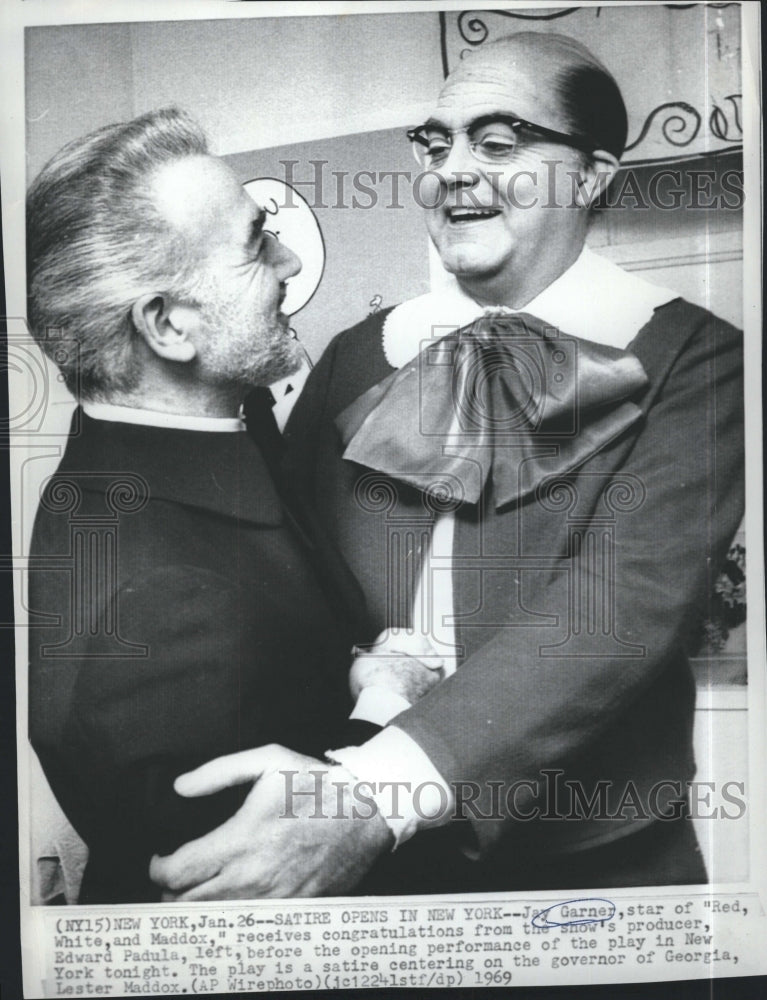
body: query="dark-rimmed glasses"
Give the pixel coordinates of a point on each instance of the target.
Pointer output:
(492, 139)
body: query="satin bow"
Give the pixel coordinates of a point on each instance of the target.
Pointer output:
(506, 399)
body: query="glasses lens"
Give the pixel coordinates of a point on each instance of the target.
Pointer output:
(431, 147)
(494, 142)
(491, 142)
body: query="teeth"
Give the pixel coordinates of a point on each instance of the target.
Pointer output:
(473, 213)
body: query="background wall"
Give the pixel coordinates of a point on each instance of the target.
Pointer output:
(372, 251)
(252, 84)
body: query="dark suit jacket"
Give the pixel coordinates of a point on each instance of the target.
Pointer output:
(178, 612)
(574, 612)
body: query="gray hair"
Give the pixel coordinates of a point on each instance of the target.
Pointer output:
(96, 242)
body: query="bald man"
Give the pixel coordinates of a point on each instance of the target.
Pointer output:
(538, 470)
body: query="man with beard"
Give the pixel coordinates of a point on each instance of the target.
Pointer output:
(540, 468)
(181, 603)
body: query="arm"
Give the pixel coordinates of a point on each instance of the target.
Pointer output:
(689, 459)
(320, 828)
(127, 726)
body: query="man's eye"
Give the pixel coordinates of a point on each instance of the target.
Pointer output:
(496, 147)
(437, 147)
(267, 237)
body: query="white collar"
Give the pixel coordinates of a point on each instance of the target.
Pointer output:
(155, 418)
(593, 299)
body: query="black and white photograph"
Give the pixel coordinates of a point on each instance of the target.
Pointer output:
(385, 452)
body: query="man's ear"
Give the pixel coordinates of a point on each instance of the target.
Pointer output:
(165, 326)
(596, 175)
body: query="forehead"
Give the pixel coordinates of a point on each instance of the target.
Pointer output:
(507, 81)
(202, 198)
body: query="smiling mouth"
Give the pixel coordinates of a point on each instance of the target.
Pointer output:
(464, 215)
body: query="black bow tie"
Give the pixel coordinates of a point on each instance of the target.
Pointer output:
(491, 401)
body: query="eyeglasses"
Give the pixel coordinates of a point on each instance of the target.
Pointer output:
(492, 139)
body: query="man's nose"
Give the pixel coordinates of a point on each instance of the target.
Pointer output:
(460, 169)
(286, 262)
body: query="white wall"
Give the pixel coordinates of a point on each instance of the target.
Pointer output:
(252, 83)
(77, 79)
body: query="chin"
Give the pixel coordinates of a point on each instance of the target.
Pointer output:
(470, 259)
(283, 364)
(470, 266)
(283, 357)
(268, 375)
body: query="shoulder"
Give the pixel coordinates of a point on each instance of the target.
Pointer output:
(682, 336)
(360, 346)
(353, 361)
(676, 324)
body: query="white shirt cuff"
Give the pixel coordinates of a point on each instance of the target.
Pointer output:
(409, 791)
(379, 705)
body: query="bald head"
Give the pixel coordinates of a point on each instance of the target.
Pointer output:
(202, 200)
(549, 79)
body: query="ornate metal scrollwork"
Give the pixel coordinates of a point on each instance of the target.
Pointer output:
(676, 130)
(719, 123)
(470, 22)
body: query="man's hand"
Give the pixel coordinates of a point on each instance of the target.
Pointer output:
(407, 666)
(403, 675)
(300, 832)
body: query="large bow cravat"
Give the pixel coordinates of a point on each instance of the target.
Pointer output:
(505, 399)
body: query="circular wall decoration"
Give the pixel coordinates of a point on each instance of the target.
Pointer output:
(291, 219)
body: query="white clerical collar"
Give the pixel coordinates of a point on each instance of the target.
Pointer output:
(593, 299)
(154, 418)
